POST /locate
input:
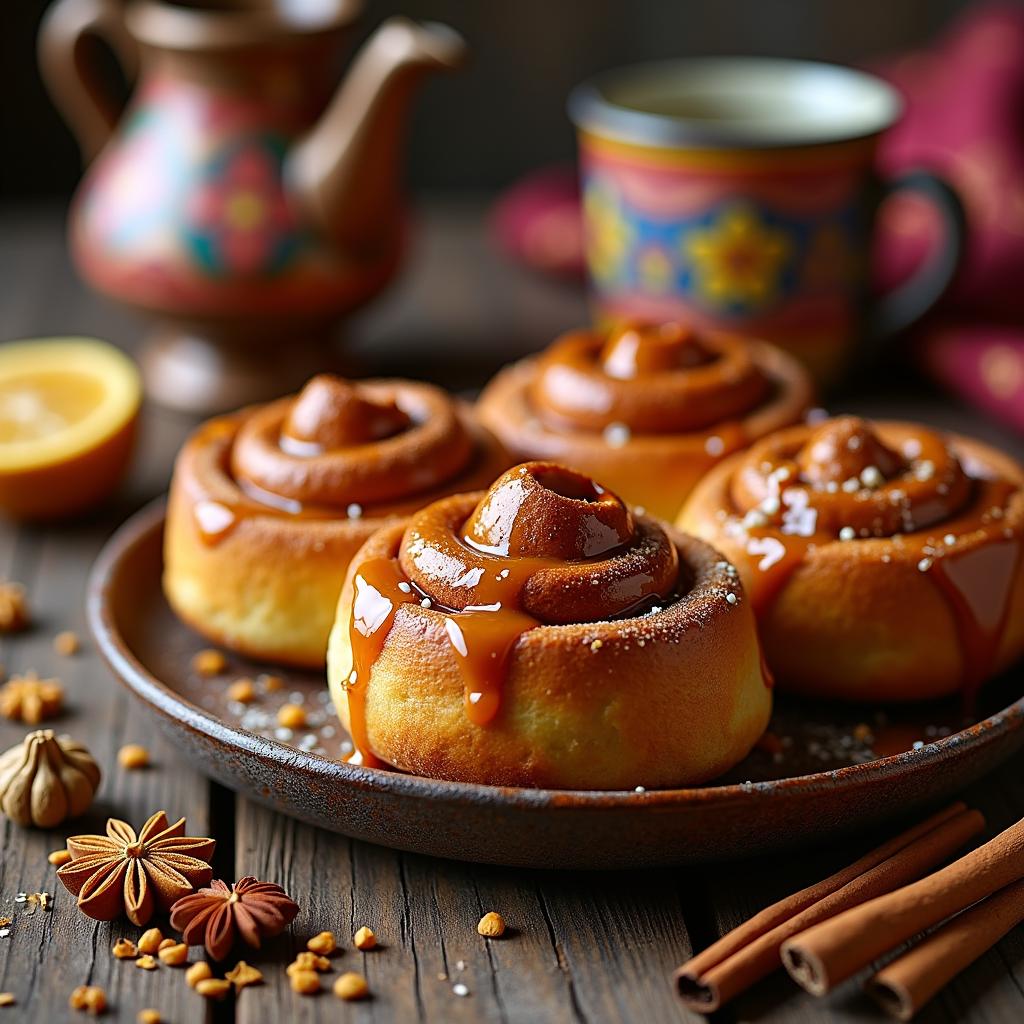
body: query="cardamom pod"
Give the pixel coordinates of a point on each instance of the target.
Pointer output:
(46, 778)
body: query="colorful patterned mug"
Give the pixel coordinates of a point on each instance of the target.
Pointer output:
(739, 193)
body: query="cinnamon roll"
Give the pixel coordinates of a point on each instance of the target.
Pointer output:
(883, 559)
(269, 504)
(545, 634)
(647, 410)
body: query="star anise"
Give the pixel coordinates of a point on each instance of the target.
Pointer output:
(214, 917)
(135, 874)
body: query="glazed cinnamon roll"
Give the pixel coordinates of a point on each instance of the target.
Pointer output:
(648, 410)
(883, 559)
(545, 634)
(269, 504)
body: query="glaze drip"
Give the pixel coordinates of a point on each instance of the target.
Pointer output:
(543, 546)
(899, 493)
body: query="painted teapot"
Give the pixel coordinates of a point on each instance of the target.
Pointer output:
(240, 197)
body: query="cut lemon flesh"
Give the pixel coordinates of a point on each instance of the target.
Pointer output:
(61, 398)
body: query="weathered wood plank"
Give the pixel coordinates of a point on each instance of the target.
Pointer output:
(581, 948)
(588, 947)
(46, 956)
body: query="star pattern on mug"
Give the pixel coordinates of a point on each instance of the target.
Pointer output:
(739, 258)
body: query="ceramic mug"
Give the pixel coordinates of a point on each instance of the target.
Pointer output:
(740, 193)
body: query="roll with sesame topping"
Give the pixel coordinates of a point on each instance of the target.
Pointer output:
(269, 504)
(543, 633)
(648, 410)
(883, 559)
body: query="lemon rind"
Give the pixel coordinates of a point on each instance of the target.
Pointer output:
(122, 395)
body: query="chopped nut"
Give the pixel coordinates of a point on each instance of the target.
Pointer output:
(89, 997)
(58, 857)
(271, 684)
(29, 699)
(492, 925)
(147, 963)
(242, 690)
(213, 988)
(174, 955)
(323, 944)
(209, 663)
(351, 986)
(150, 941)
(132, 756)
(66, 643)
(37, 900)
(291, 716)
(242, 975)
(148, 1017)
(308, 961)
(95, 1000)
(166, 944)
(305, 982)
(125, 949)
(198, 972)
(14, 614)
(6, 998)
(364, 939)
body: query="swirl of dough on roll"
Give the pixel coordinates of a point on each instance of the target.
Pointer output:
(339, 443)
(277, 498)
(545, 604)
(647, 409)
(857, 540)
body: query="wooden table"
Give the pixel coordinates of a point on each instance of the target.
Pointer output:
(596, 948)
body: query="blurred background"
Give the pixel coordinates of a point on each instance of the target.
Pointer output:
(505, 115)
(475, 268)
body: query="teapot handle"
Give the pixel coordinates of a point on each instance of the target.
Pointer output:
(70, 73)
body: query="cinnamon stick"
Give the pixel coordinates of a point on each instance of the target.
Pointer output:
(905, 985)
(828, 953)
(751, 951)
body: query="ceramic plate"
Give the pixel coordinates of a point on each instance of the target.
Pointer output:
(823, 769)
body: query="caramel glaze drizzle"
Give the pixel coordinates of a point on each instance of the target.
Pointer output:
(805, 487)
(333, 447)
(651, 380)
(545, 545)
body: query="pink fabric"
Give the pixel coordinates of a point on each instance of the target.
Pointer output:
(537, 221)
(965, 120)
(983, 364)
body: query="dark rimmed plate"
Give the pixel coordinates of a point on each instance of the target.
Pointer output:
(818, 773)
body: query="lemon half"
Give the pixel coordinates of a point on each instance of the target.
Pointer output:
(68, 412)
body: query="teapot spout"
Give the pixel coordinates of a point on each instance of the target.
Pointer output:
(344, 175)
